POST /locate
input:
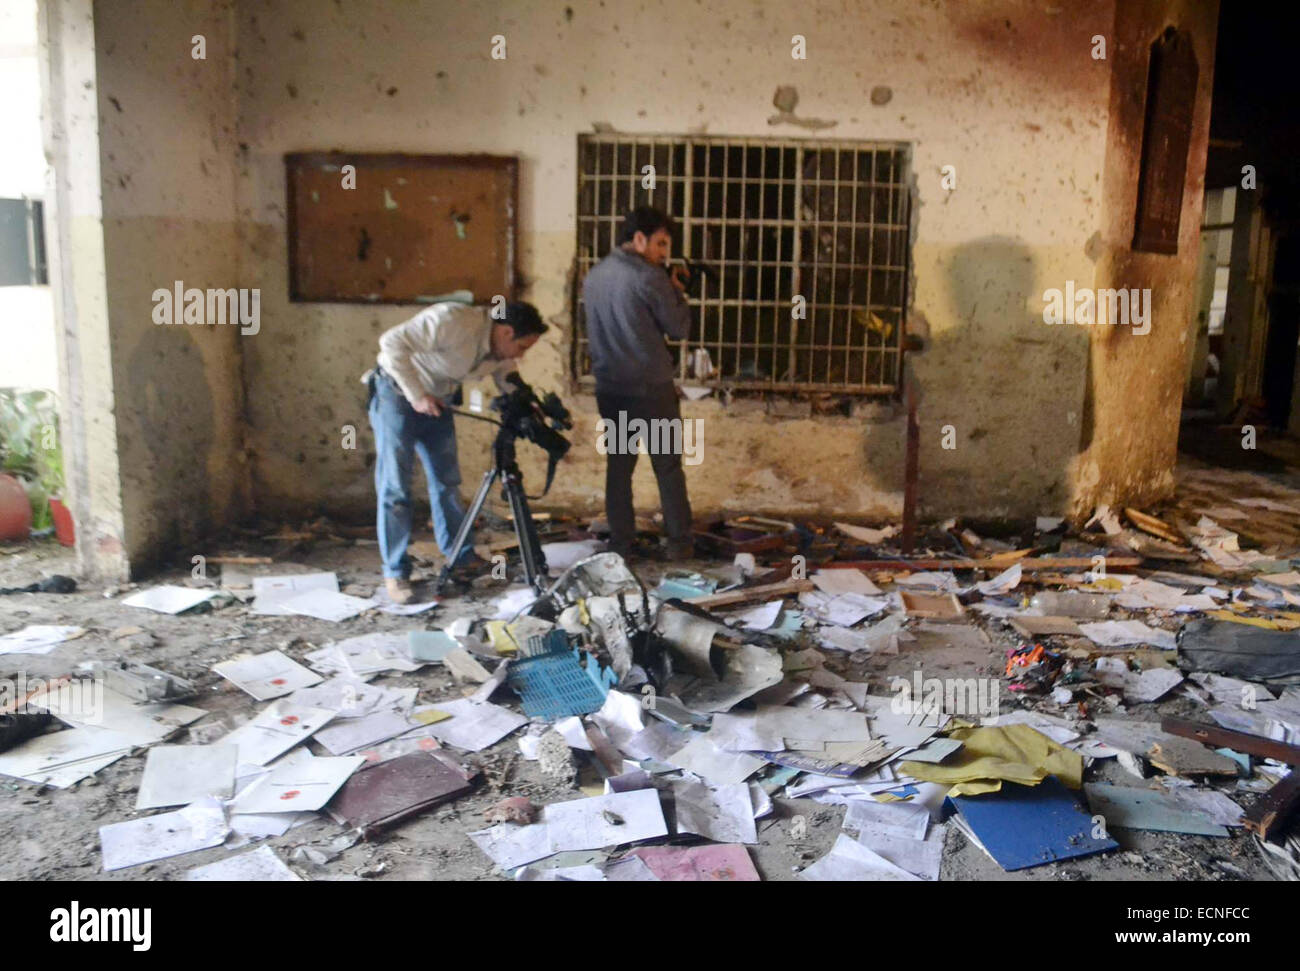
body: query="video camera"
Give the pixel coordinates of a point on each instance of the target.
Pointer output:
(697, 271)
(539, 420)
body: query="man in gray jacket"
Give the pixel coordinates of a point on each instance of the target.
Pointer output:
(632, 304)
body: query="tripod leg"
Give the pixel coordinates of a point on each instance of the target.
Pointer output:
(462, 534)
(530, 547)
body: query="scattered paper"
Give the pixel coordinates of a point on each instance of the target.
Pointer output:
(271, 592)
(275, 730)
(168, 599)
(267, 676)
(714, 765)
(349, 734)
(37, 639)
(177, 775)
(599, 821)
(196, 827)
(866, 534)
(843, 610)
(474, 726)
(845, 581)
(724, 814)
(326, 605)
(758, 618)
(1004, 582)
(561, 556)
(849, 860)
(1118, 633)
(299, 785)
(260, 866)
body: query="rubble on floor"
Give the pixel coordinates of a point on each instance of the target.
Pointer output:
(1006, 692)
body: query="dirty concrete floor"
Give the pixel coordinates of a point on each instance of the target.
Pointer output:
(53, 834)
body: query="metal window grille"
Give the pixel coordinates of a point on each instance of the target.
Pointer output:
(825, 220)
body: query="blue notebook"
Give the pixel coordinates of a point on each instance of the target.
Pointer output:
(1024, 826)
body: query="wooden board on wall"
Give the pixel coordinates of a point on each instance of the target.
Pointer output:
(414, 227)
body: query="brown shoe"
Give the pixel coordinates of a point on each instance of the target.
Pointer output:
(399, 590)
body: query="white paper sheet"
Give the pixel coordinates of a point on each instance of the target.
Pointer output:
(259, 866)
(347, 735)
(349, 697)
(714, 765)
(843, 610)
(474, 726)
(108, 710)
(585, 824)
(40, 758)
(561, 556)
(919, 857)
(724, 814)
(270, 593)
(196, 827)
(898, 819)
(266, 676)
(1118, 633)
(836, 582)
(300, 785)
(37, 639)
(865, 534)
(740, 733)
(366, 655)
(177, 775)
(804, 723)
(510, 845)
(168, 599)
(849, 860)
(327, 605)
(511, 602)
(929, 580)
(758, 618)
(276, 729)
(1004, 582)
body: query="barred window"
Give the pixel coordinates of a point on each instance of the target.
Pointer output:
(773, 220)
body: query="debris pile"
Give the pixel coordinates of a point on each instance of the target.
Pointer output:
(980, 688)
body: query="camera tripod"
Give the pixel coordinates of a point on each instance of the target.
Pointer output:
(505, 468)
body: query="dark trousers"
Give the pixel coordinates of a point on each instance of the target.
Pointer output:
(659, 403)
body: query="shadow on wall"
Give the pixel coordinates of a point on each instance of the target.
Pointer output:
(171, 403)
(1001, 390)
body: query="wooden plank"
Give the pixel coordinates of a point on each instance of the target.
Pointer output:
(988, 563)
(1272, 812)
(930, 606)
(1156, 527)
(746, 595)
(1237, 741)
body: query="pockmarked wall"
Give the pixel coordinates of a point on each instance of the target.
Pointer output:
(1130, 439)
(1011, 94)
(167, 157)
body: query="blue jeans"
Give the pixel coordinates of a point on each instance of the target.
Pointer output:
(400, 433)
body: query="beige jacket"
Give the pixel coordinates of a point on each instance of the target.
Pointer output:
(439, 348)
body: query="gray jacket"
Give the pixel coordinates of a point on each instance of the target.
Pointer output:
(631, 305)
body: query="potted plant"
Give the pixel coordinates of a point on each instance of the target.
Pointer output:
(31, 457)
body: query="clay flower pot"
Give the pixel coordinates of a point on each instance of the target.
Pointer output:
(63, 527)
(15, 510)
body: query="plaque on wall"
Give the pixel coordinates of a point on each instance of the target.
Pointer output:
(1166, 135)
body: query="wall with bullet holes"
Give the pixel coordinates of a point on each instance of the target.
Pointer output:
(1018, 417)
